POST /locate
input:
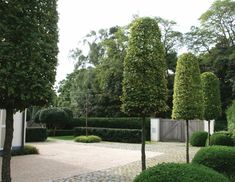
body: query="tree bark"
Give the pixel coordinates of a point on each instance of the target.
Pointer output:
(209, 136)
(187, 141)
(143, 157)
(6, 159)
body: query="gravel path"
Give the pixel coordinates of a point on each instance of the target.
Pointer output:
(67, 161)
(171, 152)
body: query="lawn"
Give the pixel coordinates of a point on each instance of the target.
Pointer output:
(62, 138)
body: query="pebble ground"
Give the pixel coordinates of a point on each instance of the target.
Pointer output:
(171, 152)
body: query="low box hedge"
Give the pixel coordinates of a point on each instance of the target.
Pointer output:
(198, 138)
(60, 132)
(36, 134)
(114, 135)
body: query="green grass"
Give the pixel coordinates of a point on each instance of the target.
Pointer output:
(62, 138)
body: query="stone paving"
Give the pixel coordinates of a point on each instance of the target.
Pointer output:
(172, 152)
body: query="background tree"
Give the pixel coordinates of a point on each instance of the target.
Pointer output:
(231, 118)
(211, 97)
(54, 117)
(28, 58)
(187, 98)
(144, 77)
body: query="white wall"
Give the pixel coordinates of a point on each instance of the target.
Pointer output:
(18, 124)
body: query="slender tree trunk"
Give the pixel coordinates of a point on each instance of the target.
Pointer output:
(143, 157)
(187, 141)
(6, 159)
(86, 115)
(54, 130)
(209, 131)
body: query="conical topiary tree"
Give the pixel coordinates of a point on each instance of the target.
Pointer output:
(187, 98)
(211, 97)
(144, 82)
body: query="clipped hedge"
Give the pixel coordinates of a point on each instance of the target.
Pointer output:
(198, 138)
(60, 132)
(124, 123)
(173, 172)
(88, 139)
(222, 138)
(219, 158)
(114, 135)
(27, 150)
(36, 134)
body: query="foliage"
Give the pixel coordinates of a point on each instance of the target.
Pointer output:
(114, 135)
(219, 21)
(221, 139)
(231, 117)
(88, 139)
(144, 82)
(36, 134)
(28, 53)
(187, 98)
(168, 172)
(219, 158)
(211, 95)
(27, 150)
(216, 29)
(221, 62)
(53, 117)
(198, 138)
(124, 123)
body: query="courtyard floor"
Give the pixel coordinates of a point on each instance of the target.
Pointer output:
(67, 161)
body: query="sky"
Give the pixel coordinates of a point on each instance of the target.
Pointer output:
(78, 17)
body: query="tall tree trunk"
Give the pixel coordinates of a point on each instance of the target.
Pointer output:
(187, 141)
(143, 157)
(209, 131)
(6, 159)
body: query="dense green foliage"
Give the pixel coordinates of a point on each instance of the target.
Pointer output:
(114, 135)
(27, 150)
(28, 53)
(36, 134)
(54, 117)
(123, 123)
(198, 138)
(219, 158)
(144, 79)
(169, 172)
(88, 139)
(187, 98)
(211, 95)
(231, 117)
(224, 139)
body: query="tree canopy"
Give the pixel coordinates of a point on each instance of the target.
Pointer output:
(187, 98)
(211, 95)
(144, 83)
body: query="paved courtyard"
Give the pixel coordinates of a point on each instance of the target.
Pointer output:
(67, 161)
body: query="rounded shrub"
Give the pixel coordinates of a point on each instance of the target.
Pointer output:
(220, 138)
(27, 150)
(88, 139)
(219, 158)
(198, 138)
(173, 172)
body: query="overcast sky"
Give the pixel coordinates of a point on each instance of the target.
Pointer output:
(78, 17)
